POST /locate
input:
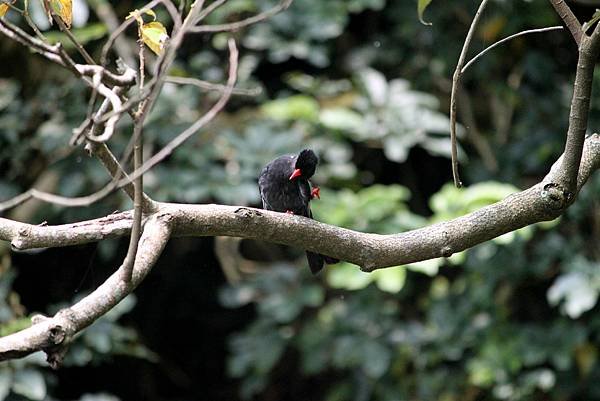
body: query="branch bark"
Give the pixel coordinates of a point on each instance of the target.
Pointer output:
(564, 12)
(52, 335)
(544, 201)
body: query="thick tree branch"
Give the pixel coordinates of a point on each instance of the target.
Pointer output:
(542, 202)
(27, 236)
(580, 107)
(53, 335)
(564, 12)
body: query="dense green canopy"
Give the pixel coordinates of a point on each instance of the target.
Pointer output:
(367, 86)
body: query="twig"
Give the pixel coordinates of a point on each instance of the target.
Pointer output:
(118, 31)
(206, 118)
(234, 26)
(30, 22)
(35, 44)
(209, 86)
(453, 94)
(53, 335)
(86, 56)
(564, 12)
(208, 10)
(138, 183)
(506, 39)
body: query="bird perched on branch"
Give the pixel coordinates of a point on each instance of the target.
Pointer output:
(285, 187)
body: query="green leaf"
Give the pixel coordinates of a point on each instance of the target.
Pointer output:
(297, 107)
(422, 5)
(391, 279)
(348, 276)
(341, 118)
(155, 36)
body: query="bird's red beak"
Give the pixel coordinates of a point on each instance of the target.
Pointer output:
(297, 173)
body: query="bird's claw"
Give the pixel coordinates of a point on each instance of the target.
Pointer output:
(315, 193)
(289, 212)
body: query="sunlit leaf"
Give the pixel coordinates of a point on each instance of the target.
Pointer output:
(151, 13)
(3, 9)
(299, 107)
(391, 279)
(422, 5)
(64, 9)
(347, 276)
(155, 36)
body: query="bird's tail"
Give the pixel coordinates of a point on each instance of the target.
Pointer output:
(315, 261)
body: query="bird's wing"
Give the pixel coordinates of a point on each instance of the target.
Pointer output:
(262, 183)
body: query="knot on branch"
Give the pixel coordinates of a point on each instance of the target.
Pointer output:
(446, 251)
(56, 341)
(556, 196)
(55, 356)
(247, 213)
(19, 242)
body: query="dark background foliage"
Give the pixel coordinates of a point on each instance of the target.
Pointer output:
(367, 86)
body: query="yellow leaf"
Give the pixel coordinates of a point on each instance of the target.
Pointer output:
(136, 14)
(421, 6)
(3, 9)
(64, 9)
(154, 35)
(152, 14)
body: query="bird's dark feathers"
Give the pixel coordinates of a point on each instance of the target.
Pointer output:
(281, 194)
(307, 162)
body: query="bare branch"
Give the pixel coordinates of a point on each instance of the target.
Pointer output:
(27, 236)
(570, 20)
(544, 201)
(205, 119)
(138, 183)
(54, 334)
(234, 26)
(101, 151)
(106, 14)
(35, 44)
(506, 39)
(210, 86)
(86, 56)
(453, 94)
(208, 10)
(127, 78)
(589, 50)
(541, 202)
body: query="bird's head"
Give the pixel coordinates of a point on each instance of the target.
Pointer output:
(306, 164)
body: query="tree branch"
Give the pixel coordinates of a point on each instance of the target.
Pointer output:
(564, 12)
(234, 26)
(53, 335)
(541, 202)
(453, 94)
(589, 50)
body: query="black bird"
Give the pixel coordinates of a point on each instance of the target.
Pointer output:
(284, 187)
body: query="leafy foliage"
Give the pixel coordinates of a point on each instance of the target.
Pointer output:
(365, 84)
